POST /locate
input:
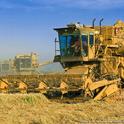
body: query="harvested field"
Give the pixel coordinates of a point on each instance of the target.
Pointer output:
(37, 109)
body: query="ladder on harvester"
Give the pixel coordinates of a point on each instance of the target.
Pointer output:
(101, 51)
(101, 54)
(57, 50)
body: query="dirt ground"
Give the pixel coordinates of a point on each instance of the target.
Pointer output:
(37, 109)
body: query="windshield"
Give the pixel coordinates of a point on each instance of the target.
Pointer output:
(70, 45)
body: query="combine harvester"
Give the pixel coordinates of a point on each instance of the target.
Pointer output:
(93, 59)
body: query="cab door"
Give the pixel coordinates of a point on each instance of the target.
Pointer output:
(91, 46)
(88, 46)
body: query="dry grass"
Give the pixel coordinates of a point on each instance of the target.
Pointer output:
(36, 109)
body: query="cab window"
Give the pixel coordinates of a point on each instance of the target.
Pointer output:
(85, 44)
(91, 38)
(63, 44)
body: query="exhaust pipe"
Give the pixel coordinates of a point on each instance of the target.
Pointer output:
(93, 23)
(100, 24)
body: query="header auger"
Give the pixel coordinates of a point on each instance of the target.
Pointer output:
(93, 59)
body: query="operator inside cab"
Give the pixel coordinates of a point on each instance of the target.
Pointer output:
(70, 45)
(75, 46)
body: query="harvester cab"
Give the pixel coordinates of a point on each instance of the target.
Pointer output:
(77, 43)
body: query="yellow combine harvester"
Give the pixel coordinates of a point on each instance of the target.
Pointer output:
(93, 59)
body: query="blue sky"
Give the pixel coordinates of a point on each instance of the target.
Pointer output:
(27, 25)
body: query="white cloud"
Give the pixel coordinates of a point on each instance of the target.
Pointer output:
(87, 4)
(82, 4)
